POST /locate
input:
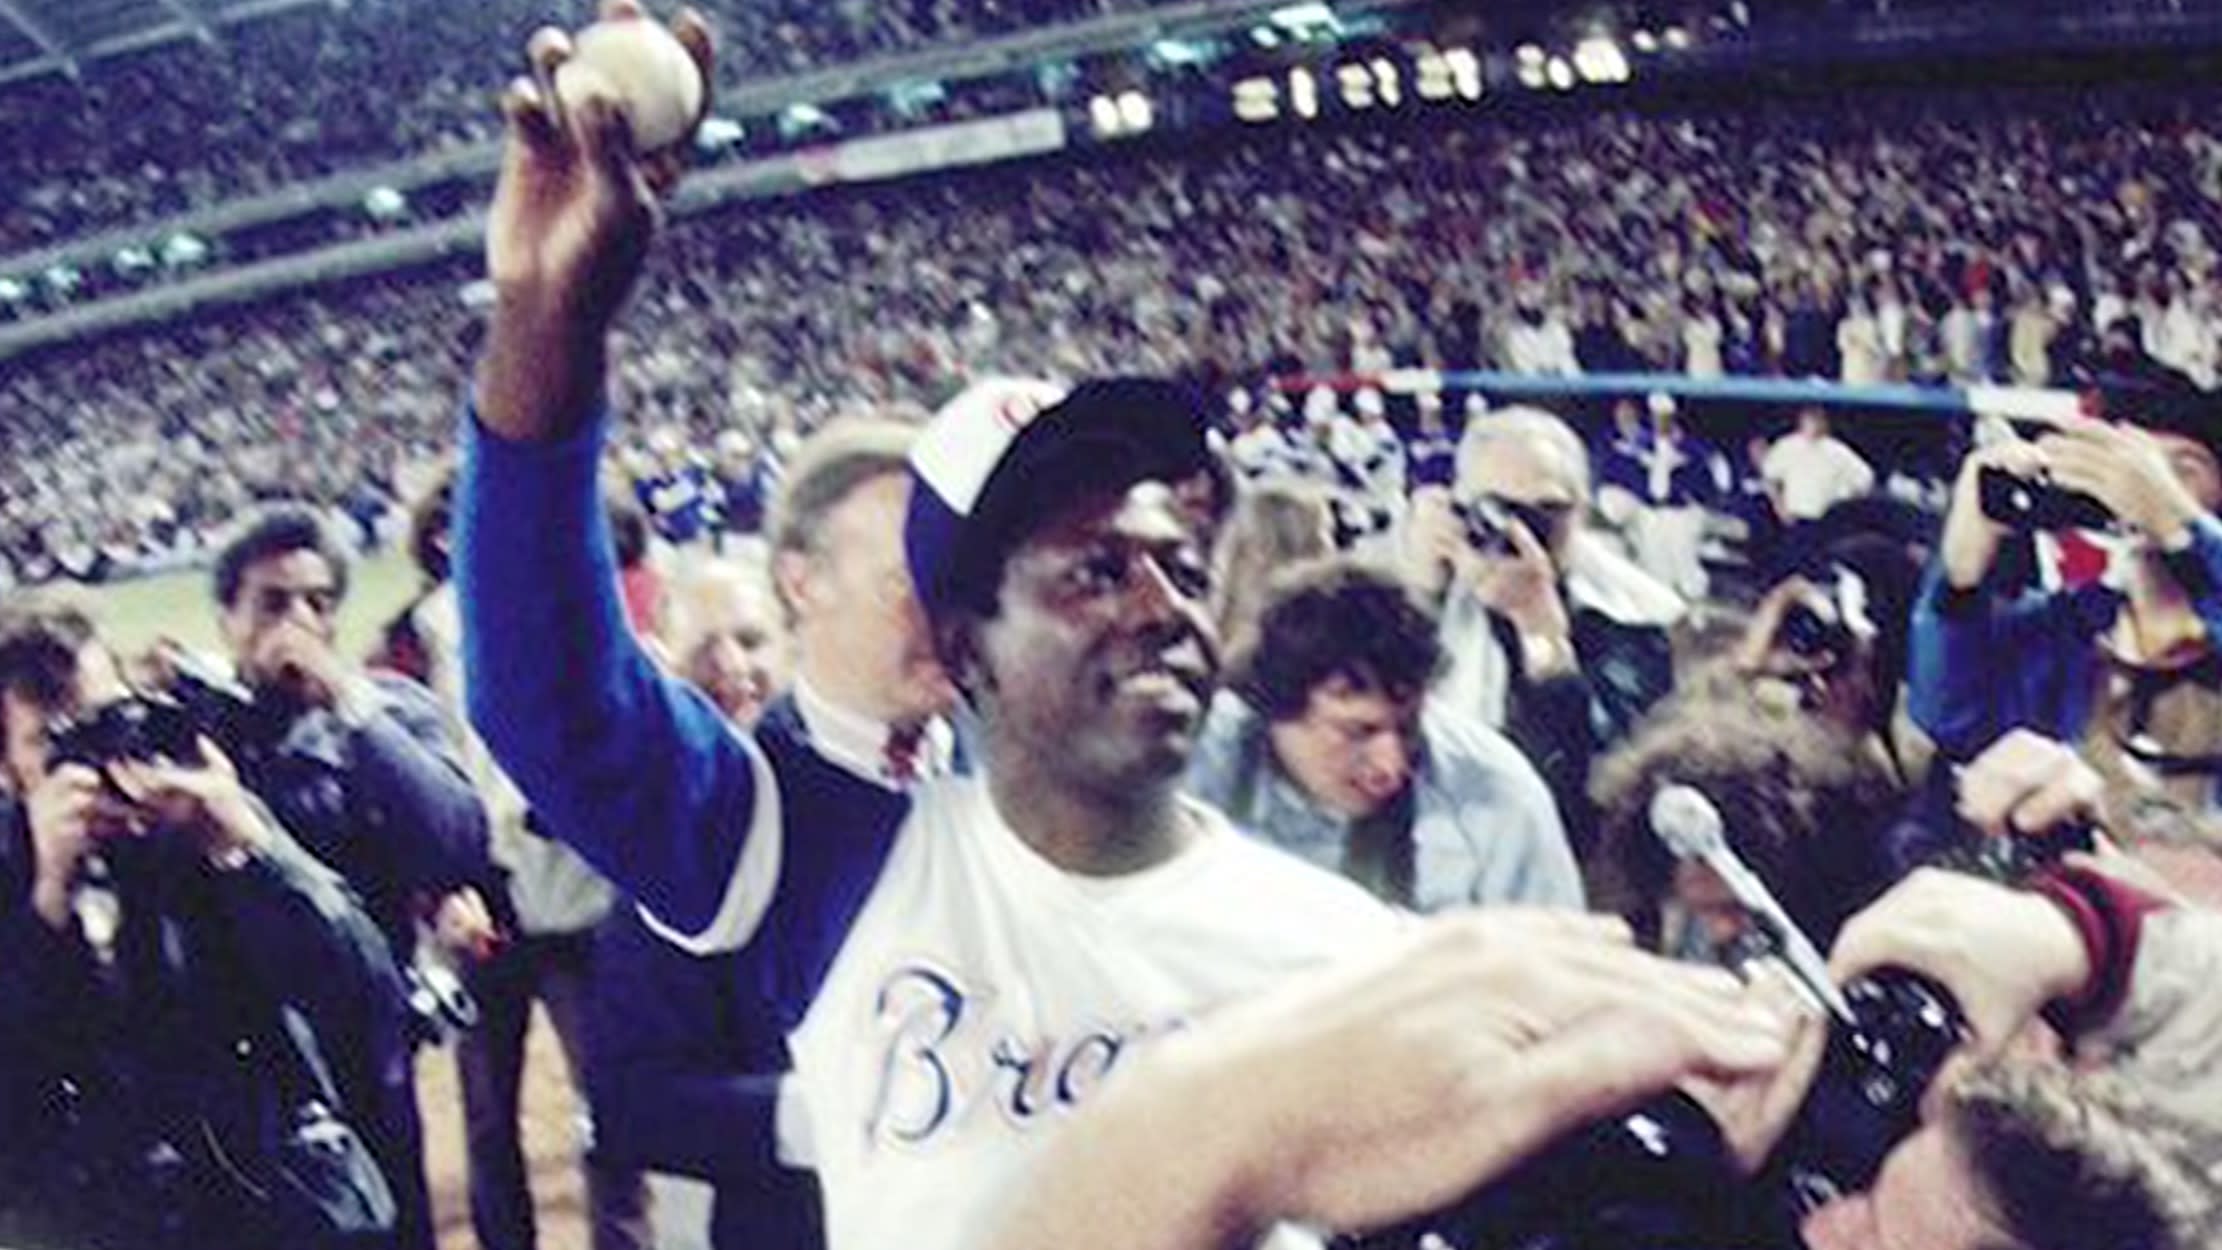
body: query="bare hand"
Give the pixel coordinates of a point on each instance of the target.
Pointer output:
(1393, 1085)
(2027, 783)
(573, 213)
(1435, 543)
(2124, 468)
(2002, 953)
(463, 925)
(201, 797)
(157, 667)
(1760, 651)
(1523, 587)
(1971, 539)
(1756, 1109)
(68, 811)
(304, 663)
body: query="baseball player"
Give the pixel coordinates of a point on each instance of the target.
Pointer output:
(961, 967)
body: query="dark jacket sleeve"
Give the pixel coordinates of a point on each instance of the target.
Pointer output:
(1628, 669)
(684, 1076)
(42, 970)
(1549, 721)
(46, 989)
(404, 767)
(302, 937)
(1563, 723)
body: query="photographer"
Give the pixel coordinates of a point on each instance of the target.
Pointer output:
(545, 950)
(1831, 641)
(1552, 637)
(1328, 745)
(2019, 1149)
(185, 990)
(2129, 670)
(360, 768)
(1392, 1086)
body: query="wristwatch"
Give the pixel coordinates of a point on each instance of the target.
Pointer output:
(1542, 656)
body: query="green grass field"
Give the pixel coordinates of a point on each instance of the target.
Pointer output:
(182, 606)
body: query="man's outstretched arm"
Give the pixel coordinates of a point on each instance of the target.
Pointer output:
(639, 773)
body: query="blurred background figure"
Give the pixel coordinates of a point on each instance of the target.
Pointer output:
(1275, 526)
(1488, 350)
(726, 638)
(1327, 743)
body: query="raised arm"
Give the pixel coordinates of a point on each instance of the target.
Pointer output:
(640, 774)
(574, 211)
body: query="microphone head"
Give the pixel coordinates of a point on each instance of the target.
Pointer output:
(1687, 822)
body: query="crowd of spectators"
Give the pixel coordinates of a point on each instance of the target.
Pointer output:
(870, 941)
(2029, 238)
(312, 92)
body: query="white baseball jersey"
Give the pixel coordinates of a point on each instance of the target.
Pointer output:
(948, 997)
(983, 995)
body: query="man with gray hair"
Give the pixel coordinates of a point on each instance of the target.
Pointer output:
(1552, 636)
(692, 1076)
(869, 693)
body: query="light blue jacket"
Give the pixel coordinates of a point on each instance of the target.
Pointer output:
(1484, 827)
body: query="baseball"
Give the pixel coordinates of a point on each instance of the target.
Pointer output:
(647, 69)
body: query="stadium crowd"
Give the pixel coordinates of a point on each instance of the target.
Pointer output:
(321, 90)
(923, 796)
(2030, 238)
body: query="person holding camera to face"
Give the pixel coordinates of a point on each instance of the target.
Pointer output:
(2083, 1105)
(363, 771)
(1551, 636)
(2128, 668)
(181, 986)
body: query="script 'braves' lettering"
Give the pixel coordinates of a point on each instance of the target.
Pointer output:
(943, 1057)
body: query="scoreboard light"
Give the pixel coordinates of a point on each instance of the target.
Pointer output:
(1356, 83)
(1303, 93)
(1124, 115)
(1257, 99)
(1465, 72)
(1136, 112)
(1387, 82)
(1431, 76)
(1103, 116)
(1600, 60)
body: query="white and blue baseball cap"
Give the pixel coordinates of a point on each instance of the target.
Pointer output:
(1000, 458)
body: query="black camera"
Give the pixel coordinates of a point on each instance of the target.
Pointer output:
(1867, 1096)
(1661, 1176)
(1488, 523)
(141, 728)
(441, 1008)
(164, 726)
(2039, 505)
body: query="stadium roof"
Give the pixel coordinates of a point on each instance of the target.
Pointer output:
(57, 36)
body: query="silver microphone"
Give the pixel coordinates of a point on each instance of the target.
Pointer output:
(1688, 824)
